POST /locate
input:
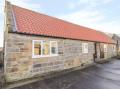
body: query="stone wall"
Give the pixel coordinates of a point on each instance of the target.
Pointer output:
(110, 51)
(19, 63)
(108, 54)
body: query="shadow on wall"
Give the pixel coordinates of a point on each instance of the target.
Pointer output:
(1, 57)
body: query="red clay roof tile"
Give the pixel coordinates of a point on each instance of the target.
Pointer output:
(31, 22)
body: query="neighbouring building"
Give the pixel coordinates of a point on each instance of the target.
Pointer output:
(116, 38)
(36, 44)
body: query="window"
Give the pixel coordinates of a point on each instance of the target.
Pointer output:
(84, 47)
(105, 48)
(37, 48)
(54, 47)
(43, 48)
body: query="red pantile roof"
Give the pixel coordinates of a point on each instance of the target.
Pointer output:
(31, 22)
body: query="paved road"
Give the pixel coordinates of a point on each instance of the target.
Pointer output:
(100, 76)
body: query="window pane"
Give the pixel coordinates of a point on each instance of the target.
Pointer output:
(37, 48)
(53, 47)
(46, 48)
(53, 50)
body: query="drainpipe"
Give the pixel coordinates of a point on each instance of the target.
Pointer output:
(117, 48)
(95, 54)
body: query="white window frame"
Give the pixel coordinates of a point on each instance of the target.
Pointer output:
(39, 56)
(84, 50)
(105, 47)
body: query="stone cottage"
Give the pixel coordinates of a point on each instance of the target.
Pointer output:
(36, 44)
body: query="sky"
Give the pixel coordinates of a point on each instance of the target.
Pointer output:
(103, 15)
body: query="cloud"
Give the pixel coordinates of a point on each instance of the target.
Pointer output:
(29, 4)
(92, 19)
(88, 3)
(71, 5)
(107, 1)
(112, 27)
(90, 16)
(83, 17)
(94, 1)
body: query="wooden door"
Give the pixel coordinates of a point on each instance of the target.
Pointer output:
(101, 51)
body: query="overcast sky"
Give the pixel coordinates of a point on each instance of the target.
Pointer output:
(103, 15)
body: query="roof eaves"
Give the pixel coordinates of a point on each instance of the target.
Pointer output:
(16, 32)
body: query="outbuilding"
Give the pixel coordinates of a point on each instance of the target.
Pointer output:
(35, 44)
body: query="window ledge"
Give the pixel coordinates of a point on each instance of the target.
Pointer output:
(44, 56)
(85, 53)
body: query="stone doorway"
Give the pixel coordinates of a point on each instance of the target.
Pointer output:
(97, 52)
